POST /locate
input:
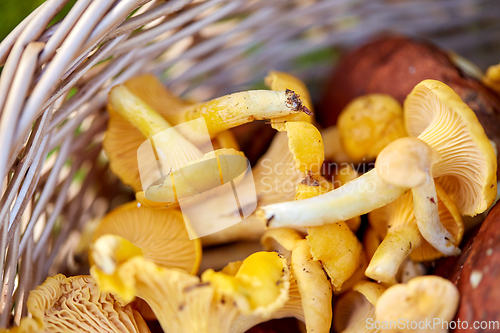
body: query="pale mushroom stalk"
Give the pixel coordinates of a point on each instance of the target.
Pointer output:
(240, 108)
(425, 206)
(397, 225)
(227, 111)
(391, 253)
(358, 197)
(409, 163)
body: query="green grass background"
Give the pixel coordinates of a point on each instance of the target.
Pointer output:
(12, 12)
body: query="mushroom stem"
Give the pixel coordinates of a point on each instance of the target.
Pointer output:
(170, 145)
(240, 108)
(425, 207)
(391, 253)
(355, 198)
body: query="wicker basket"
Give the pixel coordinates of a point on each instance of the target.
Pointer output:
(54, 83)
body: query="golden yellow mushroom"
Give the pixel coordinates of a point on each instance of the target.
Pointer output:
(183, 303)
(259, 287)
(338, 249)
(158, 234)
(306, 146)
(397, 225)
(314, 290)
(76, 304)
(355, 310)
(335, 245)
(466, 170)
(368, 124)
(424, 298)
(492, 77)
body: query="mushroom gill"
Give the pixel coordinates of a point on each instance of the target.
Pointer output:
(76, 304)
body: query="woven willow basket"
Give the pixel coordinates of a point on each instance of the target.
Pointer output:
(53, 87)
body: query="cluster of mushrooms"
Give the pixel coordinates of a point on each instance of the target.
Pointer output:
(434, 164)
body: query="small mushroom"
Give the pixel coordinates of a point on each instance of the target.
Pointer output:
(466, 169)
(158, 234)
(424, 298)
(183, 303)
(76, 304)
(368, 124)
(283, 81)
(396, 224)
(338, 249)
(314, 290)
(354, 310)
(492, 77)
(259, 287)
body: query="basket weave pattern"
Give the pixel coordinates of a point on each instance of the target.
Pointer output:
(54, 84)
